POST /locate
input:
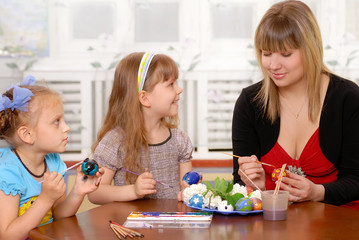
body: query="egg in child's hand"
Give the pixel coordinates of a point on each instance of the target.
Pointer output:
(192, 178)
(89, 167)
(276, 173)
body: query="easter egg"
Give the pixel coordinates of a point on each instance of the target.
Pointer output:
(225, 207)
(257, 203)
(244, 205)
(249, 190)
(89, 167)
(276, 173)
(196, 201)
(192, 178)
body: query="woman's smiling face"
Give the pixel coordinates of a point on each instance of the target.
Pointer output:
(284, 68)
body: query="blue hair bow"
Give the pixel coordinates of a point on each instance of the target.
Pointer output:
(21, 96)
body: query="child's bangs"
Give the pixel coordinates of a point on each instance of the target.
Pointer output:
(167, 69)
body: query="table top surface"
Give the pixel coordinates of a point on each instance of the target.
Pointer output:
(308, 220)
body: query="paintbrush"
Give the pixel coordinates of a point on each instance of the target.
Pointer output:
(75, 165)
(267, 164)
(164, 184)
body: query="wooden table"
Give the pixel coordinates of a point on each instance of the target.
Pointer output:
(309, 220)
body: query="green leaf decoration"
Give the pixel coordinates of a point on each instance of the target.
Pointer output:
(333, 63)
(170, 48)
(96, 64)
(90, 48)
(192, 66)
(112, 65)
(234, 199)
(253, 63)
(117, 55)
(30, 64)
(12, 65)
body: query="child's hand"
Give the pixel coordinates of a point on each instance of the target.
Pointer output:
(184, 185)
(53, 186)
(85, 184)
(145, 184)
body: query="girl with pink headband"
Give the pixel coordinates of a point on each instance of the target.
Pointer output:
(139, 144)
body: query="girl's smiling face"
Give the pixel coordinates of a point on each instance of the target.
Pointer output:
(51, 131)
(164, 98)
(284, 68)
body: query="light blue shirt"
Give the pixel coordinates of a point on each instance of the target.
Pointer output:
(15, 179)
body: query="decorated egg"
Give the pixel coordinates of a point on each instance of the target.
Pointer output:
(244, 205)
(196, 201)
(276, 173)
(225, 207)
(89, 167)
(249, 190)
(192, 178)
(257, 203)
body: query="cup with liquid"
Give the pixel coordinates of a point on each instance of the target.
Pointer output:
(275, 206)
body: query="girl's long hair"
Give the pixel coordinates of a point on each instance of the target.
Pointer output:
(124, 109)
(290, 24)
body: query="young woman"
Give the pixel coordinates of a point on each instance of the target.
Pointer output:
(299, 114)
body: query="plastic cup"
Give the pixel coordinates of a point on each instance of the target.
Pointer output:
(274, 206)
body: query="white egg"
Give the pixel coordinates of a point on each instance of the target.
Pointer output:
(225, 207)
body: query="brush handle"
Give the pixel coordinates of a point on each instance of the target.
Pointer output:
(164, 184)
(75, 165)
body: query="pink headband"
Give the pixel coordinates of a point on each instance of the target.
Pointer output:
(142, 70)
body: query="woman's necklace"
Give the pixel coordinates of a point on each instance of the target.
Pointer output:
(296, 115)
(37, 176)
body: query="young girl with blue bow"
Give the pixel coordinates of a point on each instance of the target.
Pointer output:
(32, 189)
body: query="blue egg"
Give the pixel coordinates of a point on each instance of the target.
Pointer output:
(244, 205)
(192, 178)
(89, 167)
(196, 201)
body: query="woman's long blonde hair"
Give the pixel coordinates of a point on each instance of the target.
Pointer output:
(291, 24)
(124, 109)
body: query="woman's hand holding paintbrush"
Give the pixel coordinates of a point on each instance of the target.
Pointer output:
(251, 171)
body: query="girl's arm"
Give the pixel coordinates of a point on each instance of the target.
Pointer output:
(69, 205)
(14, 227)
(183, 169)
(109, 193)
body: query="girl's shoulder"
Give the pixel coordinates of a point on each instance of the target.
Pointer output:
(10, 173)
(179, 134)
(113, 137)
(54, 162)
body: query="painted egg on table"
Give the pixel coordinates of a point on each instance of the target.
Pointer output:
(89, 167)
(276, 173)
(225, 207)
(192, 177)
(244, 205)
(196, 201)
(257, 203)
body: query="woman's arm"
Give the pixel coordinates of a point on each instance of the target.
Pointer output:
(244, 136)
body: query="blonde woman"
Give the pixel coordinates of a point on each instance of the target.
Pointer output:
(300, 114)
